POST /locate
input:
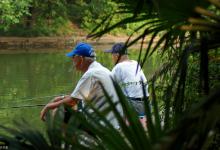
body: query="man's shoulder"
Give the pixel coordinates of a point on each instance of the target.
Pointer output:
(118, 67)
(125, 65)
(97, 68)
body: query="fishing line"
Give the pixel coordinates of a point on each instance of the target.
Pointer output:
(26, 100)
(30, 99)
(22, 106)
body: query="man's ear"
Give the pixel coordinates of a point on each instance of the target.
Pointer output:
(115, 55)
(81, 58)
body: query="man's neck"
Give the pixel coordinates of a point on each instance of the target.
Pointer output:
(123, 58)
(86, 66)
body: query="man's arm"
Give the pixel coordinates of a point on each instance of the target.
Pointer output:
(56, 103)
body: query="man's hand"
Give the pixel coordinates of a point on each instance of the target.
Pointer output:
(51, 105)
(56, 102)
(43, 113)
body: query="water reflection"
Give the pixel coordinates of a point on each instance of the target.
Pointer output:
(34, 78)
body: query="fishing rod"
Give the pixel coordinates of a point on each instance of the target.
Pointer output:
(28, 106)
(30, 99)
(22, 106)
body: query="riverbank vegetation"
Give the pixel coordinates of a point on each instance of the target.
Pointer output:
(185, 91)
(56, 18)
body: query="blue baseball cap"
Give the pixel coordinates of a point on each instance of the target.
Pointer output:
(118, 48)
(82, 49)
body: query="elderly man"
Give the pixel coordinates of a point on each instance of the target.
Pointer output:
(129, 75)
(88, 87)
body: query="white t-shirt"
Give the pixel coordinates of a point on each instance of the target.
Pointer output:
(130, 79)
(88, 87)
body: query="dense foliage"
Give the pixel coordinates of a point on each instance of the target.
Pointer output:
(57, 17)
(12, 12)
(33, 17)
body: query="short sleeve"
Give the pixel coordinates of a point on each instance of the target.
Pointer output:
(143, 78)
(116, 74)
(82, 89)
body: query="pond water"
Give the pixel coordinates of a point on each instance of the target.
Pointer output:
(29, 79)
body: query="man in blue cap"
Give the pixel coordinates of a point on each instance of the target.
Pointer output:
(129, 75)
(88, 87)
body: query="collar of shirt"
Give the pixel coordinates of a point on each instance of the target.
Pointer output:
(93, 64)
